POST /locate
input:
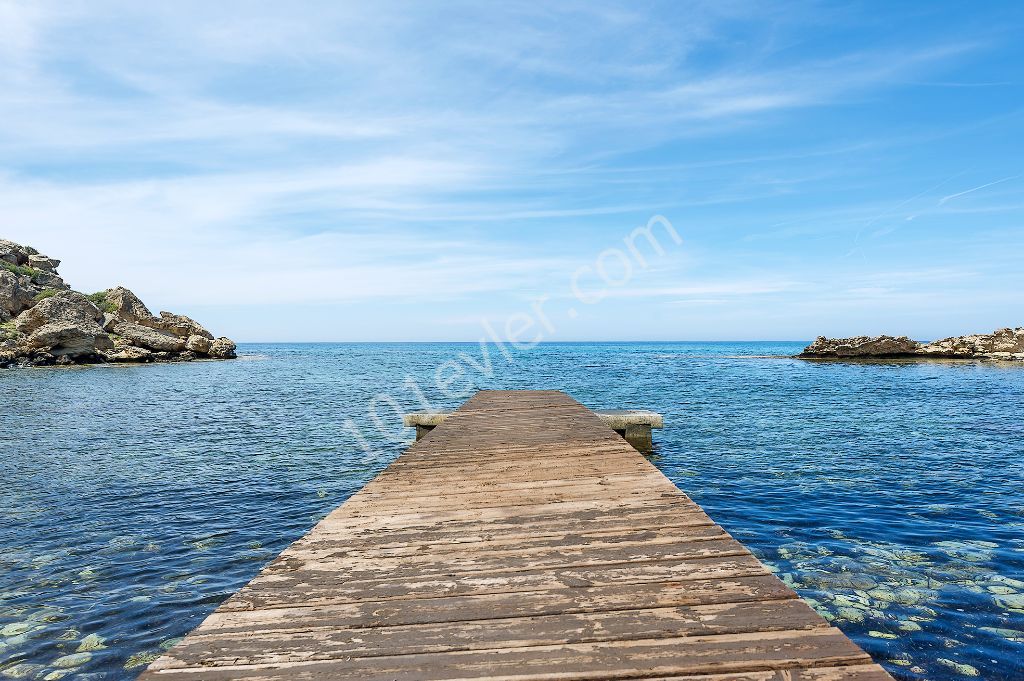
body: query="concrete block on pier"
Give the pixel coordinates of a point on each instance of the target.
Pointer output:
(632, 424)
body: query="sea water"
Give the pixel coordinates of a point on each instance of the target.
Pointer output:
(134, 499)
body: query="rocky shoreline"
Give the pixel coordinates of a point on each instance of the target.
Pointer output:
(44, 322)
(1002, 344)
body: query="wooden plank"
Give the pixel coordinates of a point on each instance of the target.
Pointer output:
(267, 592)
(614, 659)
(445, 537)
(413, 544)
(866, 672)
(523, 555)
(520, 539)
(477, 606)
(362, 518)
(302, 643)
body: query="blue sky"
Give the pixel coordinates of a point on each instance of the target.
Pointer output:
(403, 171)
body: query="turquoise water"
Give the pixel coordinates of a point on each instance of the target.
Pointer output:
(135, 499)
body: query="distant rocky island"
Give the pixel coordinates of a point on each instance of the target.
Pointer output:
(1002, 344)
(44, 322)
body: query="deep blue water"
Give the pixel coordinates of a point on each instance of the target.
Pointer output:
(135, 499)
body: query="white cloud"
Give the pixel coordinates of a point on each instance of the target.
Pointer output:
(392, 152)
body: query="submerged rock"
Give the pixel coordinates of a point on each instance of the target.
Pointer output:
(1014, 602)
(90, 643)
(140, 659)
(18, 628)
(22, 670)
(1009, 634)
(44, 322)
(958, 667)
(73, 660)
(1003, 344)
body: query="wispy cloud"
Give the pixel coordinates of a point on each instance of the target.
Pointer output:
(957, 195)
(405, 151)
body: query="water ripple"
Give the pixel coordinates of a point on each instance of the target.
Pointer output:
(135, 499)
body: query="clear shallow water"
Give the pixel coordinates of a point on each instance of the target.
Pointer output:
(135, 499)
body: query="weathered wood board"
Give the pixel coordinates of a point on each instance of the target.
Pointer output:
(522, 539)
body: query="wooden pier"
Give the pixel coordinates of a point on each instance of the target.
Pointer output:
(522, 539)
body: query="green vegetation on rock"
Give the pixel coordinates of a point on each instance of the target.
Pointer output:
(99, 299)
(21, 270)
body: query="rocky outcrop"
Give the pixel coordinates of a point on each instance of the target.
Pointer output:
(129, 353)
(15, 254)
(861, 346)
(222, 348)
(1003, 344)
(151, 339)
(43, 321)
(64, 325)
(24, 277)
(15, 294)
(200, 344)
(125, 305)
(1000, 344)
(176, 324)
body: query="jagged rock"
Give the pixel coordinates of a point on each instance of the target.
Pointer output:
(121, 343)
(70, 338)
(26, 256)
(222, 348)
(151, 339)
(64, 324)
(178, 324)
(15, 295)
(41, 358)
(66, 306)
(861, 346)
(200, 344)
(126, 305)
(13, 253)
(1004, 344)
(41, 262)
(129, 353)
(44, 280)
